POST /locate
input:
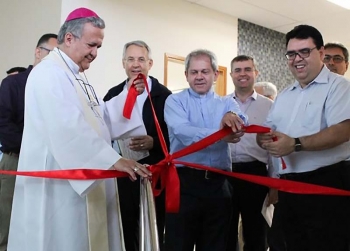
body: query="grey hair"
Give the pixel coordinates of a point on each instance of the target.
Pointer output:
(139, 43)
(202, 52)
(269, 88)
(76, 27)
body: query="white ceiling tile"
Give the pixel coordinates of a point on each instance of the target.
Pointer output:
(282, 15)
(247, 12)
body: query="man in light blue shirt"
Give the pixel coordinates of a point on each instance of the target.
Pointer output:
(311, 119)
(191, 115)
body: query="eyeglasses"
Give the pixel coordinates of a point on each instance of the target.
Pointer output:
(92, 100)
(303, 53)
(45, 49)
(133, 60)
(336, 59)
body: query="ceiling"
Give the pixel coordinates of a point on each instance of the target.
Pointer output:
(282, 15)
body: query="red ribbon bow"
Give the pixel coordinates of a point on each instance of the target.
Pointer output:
(166, 170)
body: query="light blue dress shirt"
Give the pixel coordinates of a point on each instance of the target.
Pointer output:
(305, 111)
(191, 117)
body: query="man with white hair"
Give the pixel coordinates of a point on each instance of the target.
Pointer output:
(137, 58)
(65, 128)
(266, 89)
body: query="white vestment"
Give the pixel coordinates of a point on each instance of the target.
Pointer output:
(50, 214)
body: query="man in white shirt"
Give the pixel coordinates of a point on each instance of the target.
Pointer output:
(311, 119)
(249, 158)
(66, 129)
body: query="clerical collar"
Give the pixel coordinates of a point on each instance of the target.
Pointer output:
(209, 94)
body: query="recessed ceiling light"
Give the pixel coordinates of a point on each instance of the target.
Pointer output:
(342, 3)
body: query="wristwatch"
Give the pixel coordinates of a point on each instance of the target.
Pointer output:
(232, 113)
(297, 147)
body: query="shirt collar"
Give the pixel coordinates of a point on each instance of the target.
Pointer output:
(209, 94)
(254, 95)
(71, 64)
(322, 78)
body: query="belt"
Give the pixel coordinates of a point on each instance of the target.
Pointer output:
(200, 173)
(248, 166)
(12, 154)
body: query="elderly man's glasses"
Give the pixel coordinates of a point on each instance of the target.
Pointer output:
(89, 91)
(303, 53)
(91, 95)
(45, 49)
(336, 59)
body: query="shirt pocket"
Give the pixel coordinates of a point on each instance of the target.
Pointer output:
(311, 119)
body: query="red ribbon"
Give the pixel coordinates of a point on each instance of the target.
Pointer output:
(166, 170)
(131, 98)
(71, 174)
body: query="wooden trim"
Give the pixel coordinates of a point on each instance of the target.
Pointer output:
(220, 89)
(170, 58)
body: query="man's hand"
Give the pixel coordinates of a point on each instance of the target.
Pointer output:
(233, 121)
(139, 85)
(282, 147)
(141, 143)
(273, 197)
(263, 138)
(233, 137)
(132, 168)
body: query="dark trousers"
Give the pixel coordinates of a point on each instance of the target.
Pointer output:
(275, 237)
(7, 185)
(247, 201)
(129, 197)
(317, 222)
(204, 216)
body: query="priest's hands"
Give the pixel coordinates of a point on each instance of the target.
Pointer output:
(233, 121)
(132, 168)
(139, 85)
(233, 137)
(141, 143)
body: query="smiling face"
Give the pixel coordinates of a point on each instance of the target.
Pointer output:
(244, 75)
(136, 61)
(306, 69)
(84, 50)
(200, 74)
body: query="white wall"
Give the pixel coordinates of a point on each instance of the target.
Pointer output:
(22, 23)
(172, 26)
